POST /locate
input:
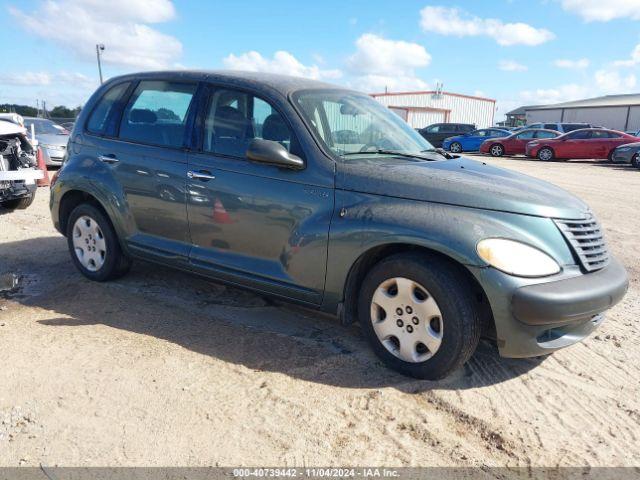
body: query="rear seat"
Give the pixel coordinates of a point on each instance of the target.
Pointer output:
(143, 126)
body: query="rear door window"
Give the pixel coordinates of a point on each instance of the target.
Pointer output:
(156, 113)
(543, 134)
(98, 119)
(526, 135)
(579, 135)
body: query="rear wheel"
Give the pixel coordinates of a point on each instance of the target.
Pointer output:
(18, 203)
(455, 147)
(94, 246)
(418, 315)
(545, 154)
(496, 150)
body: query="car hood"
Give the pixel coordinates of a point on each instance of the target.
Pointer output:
(632, 145)
(52, 139)
(458, 181)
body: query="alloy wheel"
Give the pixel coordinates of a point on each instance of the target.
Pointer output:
(406, 319)
(497, 150)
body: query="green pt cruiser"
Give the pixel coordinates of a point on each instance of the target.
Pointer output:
(321, 196)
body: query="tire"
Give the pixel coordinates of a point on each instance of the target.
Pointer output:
(496, 150)
(89, 230)
(455, 147)
(635, 161)
(18, 203)
(545, 154)
(610, 157)
(432, 282)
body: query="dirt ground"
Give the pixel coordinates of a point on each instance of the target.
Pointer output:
(161, 368)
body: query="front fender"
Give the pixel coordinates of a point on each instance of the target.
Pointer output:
(370, 221)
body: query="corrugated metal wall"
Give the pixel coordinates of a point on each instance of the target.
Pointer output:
(609, 117)
(419, 119)
(463, 109)
(534, 116)
(614, 117)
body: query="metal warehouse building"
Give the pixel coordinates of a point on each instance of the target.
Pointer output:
(618, 112)
(420, 109)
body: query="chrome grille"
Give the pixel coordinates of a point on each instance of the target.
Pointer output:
(587, 241)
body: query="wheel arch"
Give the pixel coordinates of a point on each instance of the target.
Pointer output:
(71, 199)
(348, 310)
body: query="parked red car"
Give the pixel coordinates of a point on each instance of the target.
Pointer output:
(584, 143)
(516, 143)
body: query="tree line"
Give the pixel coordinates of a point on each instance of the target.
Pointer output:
(59, 111)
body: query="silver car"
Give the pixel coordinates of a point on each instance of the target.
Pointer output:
(51, 137)
(628, 153)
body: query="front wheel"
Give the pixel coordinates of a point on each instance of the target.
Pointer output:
(545, 154)
(455, 147)
(497, 150)
(94, 246)
(419, 316)
(635, 161)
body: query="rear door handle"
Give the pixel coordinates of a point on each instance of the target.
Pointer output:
(201, 175)
(108, 158)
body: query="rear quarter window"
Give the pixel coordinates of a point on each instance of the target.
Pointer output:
(100, 114)
(156, 113)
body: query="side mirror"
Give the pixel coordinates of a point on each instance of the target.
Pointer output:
(273, 153)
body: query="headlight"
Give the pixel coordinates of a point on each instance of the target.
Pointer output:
(623, 149)
(516, 258)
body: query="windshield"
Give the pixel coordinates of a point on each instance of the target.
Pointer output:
(353, 124)
(44, 126)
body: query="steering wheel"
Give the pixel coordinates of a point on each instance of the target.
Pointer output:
(369, 147)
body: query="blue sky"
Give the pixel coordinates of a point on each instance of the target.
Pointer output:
(516, 51)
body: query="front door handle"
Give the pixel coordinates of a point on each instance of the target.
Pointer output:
(200, 175)
(109, 158)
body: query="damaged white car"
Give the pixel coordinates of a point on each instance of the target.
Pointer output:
(18, 167)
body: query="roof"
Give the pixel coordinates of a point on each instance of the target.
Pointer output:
(522, 110)
(283, 84)
(433, 92)
(605, 101)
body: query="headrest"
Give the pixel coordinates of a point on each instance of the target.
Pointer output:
(274, 128)
(142, 115)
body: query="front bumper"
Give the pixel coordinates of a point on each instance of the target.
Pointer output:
(536, 317)
(52, 156)
(623, 156)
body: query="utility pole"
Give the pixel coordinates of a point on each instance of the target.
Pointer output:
(99, 48)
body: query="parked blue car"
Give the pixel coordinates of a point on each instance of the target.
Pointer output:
(470, 142)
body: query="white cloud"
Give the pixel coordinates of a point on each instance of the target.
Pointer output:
(512, 66)
(603, 82)
(599, 11)
(122, 25)
(632, 61)
(380, 63)
(452, 21)
(610, 81)
(282, 62)
(572, 64)
(563, 93)
(26, 79)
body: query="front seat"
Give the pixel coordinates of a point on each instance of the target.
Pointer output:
(230, 130)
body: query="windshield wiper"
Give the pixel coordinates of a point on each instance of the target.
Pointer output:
(440, 151)
(389, 152)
